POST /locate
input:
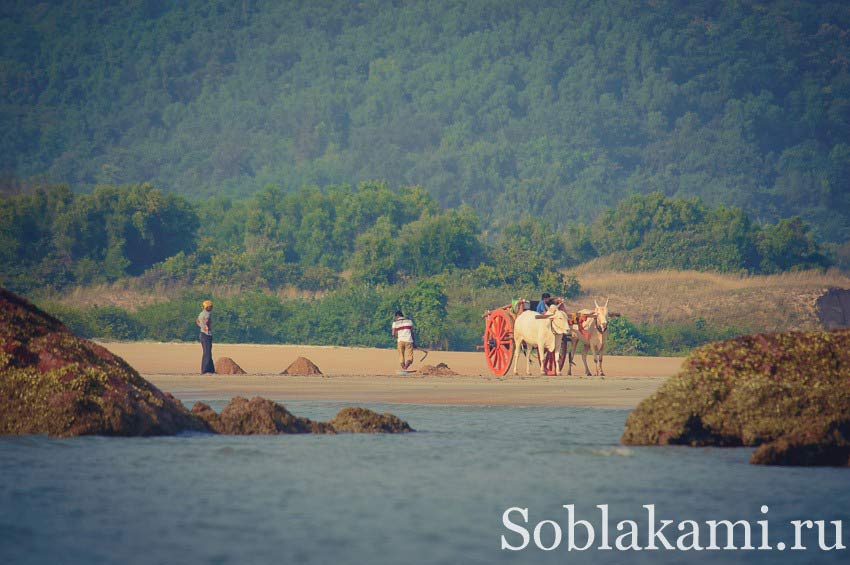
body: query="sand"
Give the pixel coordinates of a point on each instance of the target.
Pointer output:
(227, 366)
(302, 366)
(370, 375)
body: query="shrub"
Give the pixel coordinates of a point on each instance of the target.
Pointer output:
(624, 338)
(318, 277)
(173, 320)
(425, 303)
(464, 328)
(75, 319)
(105, 322)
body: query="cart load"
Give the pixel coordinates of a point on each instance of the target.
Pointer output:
(498, 339)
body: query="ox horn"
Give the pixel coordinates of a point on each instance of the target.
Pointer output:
(595, 302)
(606, 301)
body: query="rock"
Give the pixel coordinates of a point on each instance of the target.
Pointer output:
(755, 390)
(827, 449)
(227, 366)
(257, 416)
(302, 366)
(440, 369)
(53, 382)
(206, 414)
(834, 309)
(262, 416)
(362, 420)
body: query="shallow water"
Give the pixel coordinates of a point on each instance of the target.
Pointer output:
(436, 496)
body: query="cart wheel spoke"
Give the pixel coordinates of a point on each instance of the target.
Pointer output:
(498, 341)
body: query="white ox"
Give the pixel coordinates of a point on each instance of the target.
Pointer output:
(591, 334)
(543, 333)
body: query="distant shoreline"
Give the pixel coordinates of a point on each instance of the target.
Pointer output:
(352, 374)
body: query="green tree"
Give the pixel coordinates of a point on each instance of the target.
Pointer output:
(556, 108)
(375, 257)
(424, 303)
(434, 244)
(788, 246)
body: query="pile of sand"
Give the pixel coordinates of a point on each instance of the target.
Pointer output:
(302, 366)
(227, 366)
(440, 369)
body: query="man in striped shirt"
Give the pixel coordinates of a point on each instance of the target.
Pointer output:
(403, 330)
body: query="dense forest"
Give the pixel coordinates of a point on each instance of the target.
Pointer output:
(370, 234)
(431, 156)
(356, 254)
(555, 109)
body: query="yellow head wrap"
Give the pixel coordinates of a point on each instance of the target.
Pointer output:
(207, 303)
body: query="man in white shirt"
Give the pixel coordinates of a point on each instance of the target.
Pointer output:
(403, 330)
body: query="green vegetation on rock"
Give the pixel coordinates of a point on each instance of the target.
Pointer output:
(53, 382)
(790, 388)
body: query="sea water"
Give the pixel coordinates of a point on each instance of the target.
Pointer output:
(434, 496)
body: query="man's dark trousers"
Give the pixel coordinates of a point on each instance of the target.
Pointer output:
(206, 360)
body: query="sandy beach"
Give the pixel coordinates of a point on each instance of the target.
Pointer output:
(369, 375)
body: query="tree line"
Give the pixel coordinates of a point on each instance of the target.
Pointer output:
(558, 109)
(365, 251)
(355, 315)
(321, 239)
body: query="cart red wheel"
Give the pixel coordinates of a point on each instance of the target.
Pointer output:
(499, 341)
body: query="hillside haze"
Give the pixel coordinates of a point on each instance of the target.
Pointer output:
(557, 109)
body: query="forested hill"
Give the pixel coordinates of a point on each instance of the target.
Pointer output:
(550, 108)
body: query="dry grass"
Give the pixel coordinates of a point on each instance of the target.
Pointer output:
(757, 303)
(751, 303)
(131, 296)
(116, 294)
(292, 293)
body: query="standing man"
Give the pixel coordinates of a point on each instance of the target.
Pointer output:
(403, 330)
(203, 321)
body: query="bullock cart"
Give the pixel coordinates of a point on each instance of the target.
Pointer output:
(498, 339)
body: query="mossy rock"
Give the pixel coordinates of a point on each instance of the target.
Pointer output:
(257, 416)
(363, 420)
(750, 391)
(822, 448)
(262, 416)
(53, 382)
